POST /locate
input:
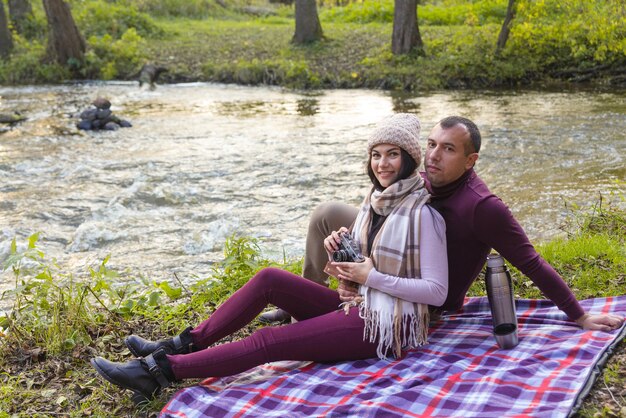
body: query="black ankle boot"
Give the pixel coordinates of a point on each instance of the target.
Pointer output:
(181, 344)
(144, 376)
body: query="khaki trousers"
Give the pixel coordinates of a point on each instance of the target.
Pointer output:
(325, 218)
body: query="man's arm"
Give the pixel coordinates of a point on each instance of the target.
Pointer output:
(496, 226)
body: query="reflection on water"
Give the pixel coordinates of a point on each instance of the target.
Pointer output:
(203, 161)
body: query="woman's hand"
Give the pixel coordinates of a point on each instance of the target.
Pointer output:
(331, 243)
(600, 322)
(354, 272)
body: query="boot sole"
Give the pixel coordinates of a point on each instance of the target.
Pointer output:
(138, 397)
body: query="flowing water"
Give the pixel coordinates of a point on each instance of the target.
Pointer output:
(204, 161)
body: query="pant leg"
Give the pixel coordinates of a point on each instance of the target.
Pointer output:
(331, 337)
(301, 298)
(326, 218)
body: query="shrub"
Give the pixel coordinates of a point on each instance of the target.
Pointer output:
(365, 12)
(98, 18)
(448, 13)
(194, 9)
(111, 59)
(26, 64)
(290, 73)
(572, 32)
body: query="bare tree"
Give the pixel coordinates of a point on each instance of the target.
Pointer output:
(308, 26)
(406, 35)
(65, 43)
(506, 27)
(20, 10)
(6, 41)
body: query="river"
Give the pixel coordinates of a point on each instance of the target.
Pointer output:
(204, 161)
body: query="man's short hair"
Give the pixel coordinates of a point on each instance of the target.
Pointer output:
(452, 121)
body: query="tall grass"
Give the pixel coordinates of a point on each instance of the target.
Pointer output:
(58, 322)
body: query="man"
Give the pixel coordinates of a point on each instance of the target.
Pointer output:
(477, 221)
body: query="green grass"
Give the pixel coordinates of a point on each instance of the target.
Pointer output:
(58, 323)
(199, 40)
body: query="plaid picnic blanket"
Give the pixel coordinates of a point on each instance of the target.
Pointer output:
(461, 373)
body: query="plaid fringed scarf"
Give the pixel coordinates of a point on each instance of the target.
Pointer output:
(395, 323)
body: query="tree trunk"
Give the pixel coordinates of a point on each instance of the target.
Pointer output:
(506, 27)
(65, 43)
(19, 10)
(308, 26)
(6, 41)
(406, 35)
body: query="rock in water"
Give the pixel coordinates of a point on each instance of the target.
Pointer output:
(89, 114)
(111, 126)
(100, 116)
(102, 103)
(103, 113)
(84, 124)
(11, 119)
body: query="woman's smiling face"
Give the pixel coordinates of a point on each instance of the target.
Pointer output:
(386, 162)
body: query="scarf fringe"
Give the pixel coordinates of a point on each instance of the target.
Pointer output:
(394, 332)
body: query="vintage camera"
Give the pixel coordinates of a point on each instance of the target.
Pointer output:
(348, 250)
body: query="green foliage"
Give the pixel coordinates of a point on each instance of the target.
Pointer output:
(193, 9)
(453, 12)
(242, 260)
(594, 265)
(549, 39)
(360, 12)
(197, 9)
(444, 13)
(570, 32)
(109, 58)
(34, 26)
(100, 18)
(27, 64)
(49, 307)
(68, 319)
(53, 310)
(289, 73)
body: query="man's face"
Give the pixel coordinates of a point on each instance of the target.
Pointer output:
(447, 156)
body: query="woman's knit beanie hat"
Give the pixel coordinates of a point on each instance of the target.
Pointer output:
(401, 129)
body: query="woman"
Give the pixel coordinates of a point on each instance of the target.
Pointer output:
(405, 271)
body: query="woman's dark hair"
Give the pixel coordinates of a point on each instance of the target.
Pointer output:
(407, 168)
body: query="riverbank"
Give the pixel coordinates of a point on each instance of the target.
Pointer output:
(58, 324)
(354, 55)
(554, 44)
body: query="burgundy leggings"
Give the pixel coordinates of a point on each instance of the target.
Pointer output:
(323, 333)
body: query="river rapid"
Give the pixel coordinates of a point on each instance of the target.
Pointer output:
(204, 161)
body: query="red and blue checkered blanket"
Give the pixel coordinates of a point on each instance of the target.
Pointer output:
(460, 373)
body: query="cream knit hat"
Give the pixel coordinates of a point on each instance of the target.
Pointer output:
(401, 129)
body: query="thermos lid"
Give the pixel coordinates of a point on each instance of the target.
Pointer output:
(495, 260)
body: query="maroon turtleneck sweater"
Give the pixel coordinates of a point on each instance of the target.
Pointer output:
(478, 221)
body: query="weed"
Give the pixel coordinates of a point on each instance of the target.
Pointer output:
(58, 323)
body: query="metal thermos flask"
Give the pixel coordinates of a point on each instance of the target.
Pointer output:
(500, 294)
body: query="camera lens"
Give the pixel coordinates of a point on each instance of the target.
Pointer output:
(340, 256)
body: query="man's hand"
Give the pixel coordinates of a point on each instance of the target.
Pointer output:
(600, 322)
(348, 291)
